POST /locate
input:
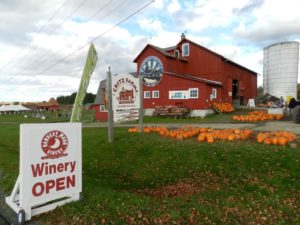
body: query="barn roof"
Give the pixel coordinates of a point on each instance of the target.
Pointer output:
(99, 100)
(169, 55)
(225, 59)
(191, 77)
(163, 51)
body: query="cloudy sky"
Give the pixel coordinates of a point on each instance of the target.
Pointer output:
(43, 44)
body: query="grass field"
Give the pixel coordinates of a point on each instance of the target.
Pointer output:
(87, 116)
(148, 179)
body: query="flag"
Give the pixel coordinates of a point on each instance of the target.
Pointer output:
(85, 79)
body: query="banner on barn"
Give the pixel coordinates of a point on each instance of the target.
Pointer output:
(50, 167)
(125, 97)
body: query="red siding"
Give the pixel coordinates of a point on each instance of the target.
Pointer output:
(201, 63)
(100, 116)
(178, 84)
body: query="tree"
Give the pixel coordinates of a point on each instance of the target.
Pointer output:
(260, 91)
(70, 99)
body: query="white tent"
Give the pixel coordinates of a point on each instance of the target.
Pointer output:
(13, 108)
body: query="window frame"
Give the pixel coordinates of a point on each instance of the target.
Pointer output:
(155, 92)
(214, 92)
(193, 89)
(145, 94)
(183, 93)
(102, 108)
(188, 49)
(177, 53)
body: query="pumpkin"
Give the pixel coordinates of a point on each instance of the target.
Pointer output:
(274, 140)
(282, 141)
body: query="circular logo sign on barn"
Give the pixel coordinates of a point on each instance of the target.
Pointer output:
(151, 70)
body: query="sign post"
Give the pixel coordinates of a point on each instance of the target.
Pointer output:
(141, 110)
(50, 173)
(109, 108)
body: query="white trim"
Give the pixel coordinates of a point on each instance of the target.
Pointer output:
(188, 49)
(193, 89)
(147, 94)
(155, 92)
(214, 92)
(102, 108)
(179, 94)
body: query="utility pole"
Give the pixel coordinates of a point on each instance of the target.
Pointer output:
(141, 111)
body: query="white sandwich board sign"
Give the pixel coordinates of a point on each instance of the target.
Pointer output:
(251, 103)
(50, 168)
(125, 97)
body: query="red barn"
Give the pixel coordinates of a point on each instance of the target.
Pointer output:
(100, 104)
(191, 75)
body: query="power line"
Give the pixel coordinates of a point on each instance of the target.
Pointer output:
(42, 59)
(66, 18)
(38, 32)
(97, 37)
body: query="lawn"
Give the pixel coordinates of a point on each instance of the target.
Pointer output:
(148, 179)
(50, 117)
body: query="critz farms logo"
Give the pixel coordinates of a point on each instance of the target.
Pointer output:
(125, 90)
(54, 144)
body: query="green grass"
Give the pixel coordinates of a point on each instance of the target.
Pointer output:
(51, 117)
(213, 118)
(139, 179)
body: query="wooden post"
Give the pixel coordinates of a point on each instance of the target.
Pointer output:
(141, 111)
(109, 108)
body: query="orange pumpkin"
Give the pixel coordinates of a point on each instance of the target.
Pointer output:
(282, 141)
(274, 140)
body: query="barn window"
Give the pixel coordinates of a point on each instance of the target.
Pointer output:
(147, 94)
(214, 93)
(193, 93)
(178, 94)
(155, 94)
(185, 49)
(176, 53)
(102, 108)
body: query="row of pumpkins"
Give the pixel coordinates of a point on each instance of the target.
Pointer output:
(255, 116)
(223, 107)
(210, 135)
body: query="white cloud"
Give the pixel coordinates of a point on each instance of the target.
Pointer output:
(274, 21)
(158, 4)
(150, 25)
(207, 14)
(28, 75)
(173, 7)
(245, 24)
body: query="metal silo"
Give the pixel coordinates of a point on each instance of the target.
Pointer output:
(280, 70)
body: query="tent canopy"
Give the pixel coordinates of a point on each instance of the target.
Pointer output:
(15, 108)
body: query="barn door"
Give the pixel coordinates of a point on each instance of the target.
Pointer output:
(228, 95)
(241, 92)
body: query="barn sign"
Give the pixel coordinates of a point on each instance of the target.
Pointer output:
(151, 71)
(50, 168)
(125, 97)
